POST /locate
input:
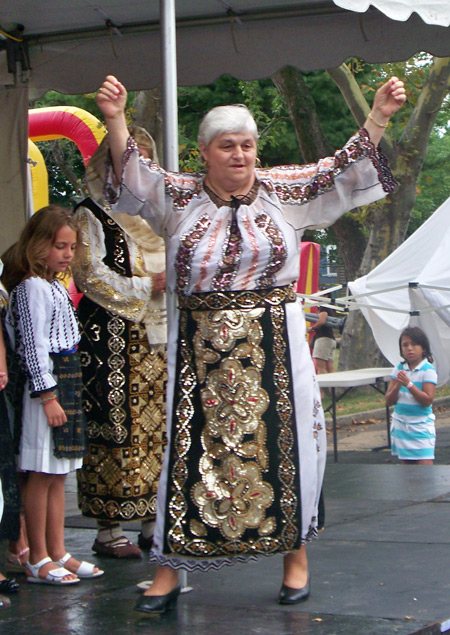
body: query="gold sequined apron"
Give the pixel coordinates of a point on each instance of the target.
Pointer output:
(124, 383)
(234, 488)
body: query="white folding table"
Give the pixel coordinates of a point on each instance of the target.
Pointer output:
(349, 379)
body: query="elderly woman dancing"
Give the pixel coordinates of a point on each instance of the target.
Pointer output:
(243, 469)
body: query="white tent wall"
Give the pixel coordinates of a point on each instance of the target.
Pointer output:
(13, 166)
(436, 326)
(386, 297)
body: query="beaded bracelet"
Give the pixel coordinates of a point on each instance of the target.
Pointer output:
(48, 399)
(377, 123)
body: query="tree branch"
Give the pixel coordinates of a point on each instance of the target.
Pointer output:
(347, 84)
(418, 129)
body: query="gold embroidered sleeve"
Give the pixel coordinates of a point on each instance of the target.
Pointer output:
(127, 297)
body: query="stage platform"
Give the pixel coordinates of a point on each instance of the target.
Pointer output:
(380, 566)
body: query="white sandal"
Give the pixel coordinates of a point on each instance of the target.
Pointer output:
(55, 576)
(85, 570)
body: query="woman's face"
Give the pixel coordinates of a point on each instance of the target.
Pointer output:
(231, 160)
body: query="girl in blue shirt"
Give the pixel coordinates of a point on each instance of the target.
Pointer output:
(411, 392)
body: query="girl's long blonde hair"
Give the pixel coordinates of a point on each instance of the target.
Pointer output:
(27, 256)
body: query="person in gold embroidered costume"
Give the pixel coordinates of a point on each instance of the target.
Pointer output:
(123, 357)
(243, 470)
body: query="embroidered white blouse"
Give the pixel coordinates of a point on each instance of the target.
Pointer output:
(200, 240)
(41, 320)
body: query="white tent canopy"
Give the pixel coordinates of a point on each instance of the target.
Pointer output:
(72, 44)
(431, 11)
(412, 286)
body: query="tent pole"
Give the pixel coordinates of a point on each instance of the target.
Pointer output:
(169, 84)
(170, 110)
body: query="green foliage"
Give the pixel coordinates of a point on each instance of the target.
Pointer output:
(433, 186)
(335, 118)
(65, 172)
(277, 144)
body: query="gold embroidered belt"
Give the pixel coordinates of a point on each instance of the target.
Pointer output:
(236, 300)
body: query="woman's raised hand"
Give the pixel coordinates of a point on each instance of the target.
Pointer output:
(111, 97)
(389, 98)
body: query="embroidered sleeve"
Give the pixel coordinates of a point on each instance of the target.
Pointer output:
(316, 195)
(128, 297)
(34, 314)
(141, 189)
(148, 190)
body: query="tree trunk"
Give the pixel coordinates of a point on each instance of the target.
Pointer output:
(302, 111)
(314, 145)
(386, 220)
(147, 114)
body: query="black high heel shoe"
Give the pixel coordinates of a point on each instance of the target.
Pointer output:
(288, 595)
(158, 603)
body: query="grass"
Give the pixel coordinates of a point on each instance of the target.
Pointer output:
(359, 401)
(366, 398)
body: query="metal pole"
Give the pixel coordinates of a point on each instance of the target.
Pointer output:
(169, 84)
(333, 398)
(170, 110)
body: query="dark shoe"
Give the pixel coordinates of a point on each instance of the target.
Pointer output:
(158, 603)
(288, 595)
(118, 548)
(144, 543)
(9, 585)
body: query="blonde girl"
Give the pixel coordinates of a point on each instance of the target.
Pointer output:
(43, 327)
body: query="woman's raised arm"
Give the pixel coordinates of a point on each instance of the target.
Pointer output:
(111, 99)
